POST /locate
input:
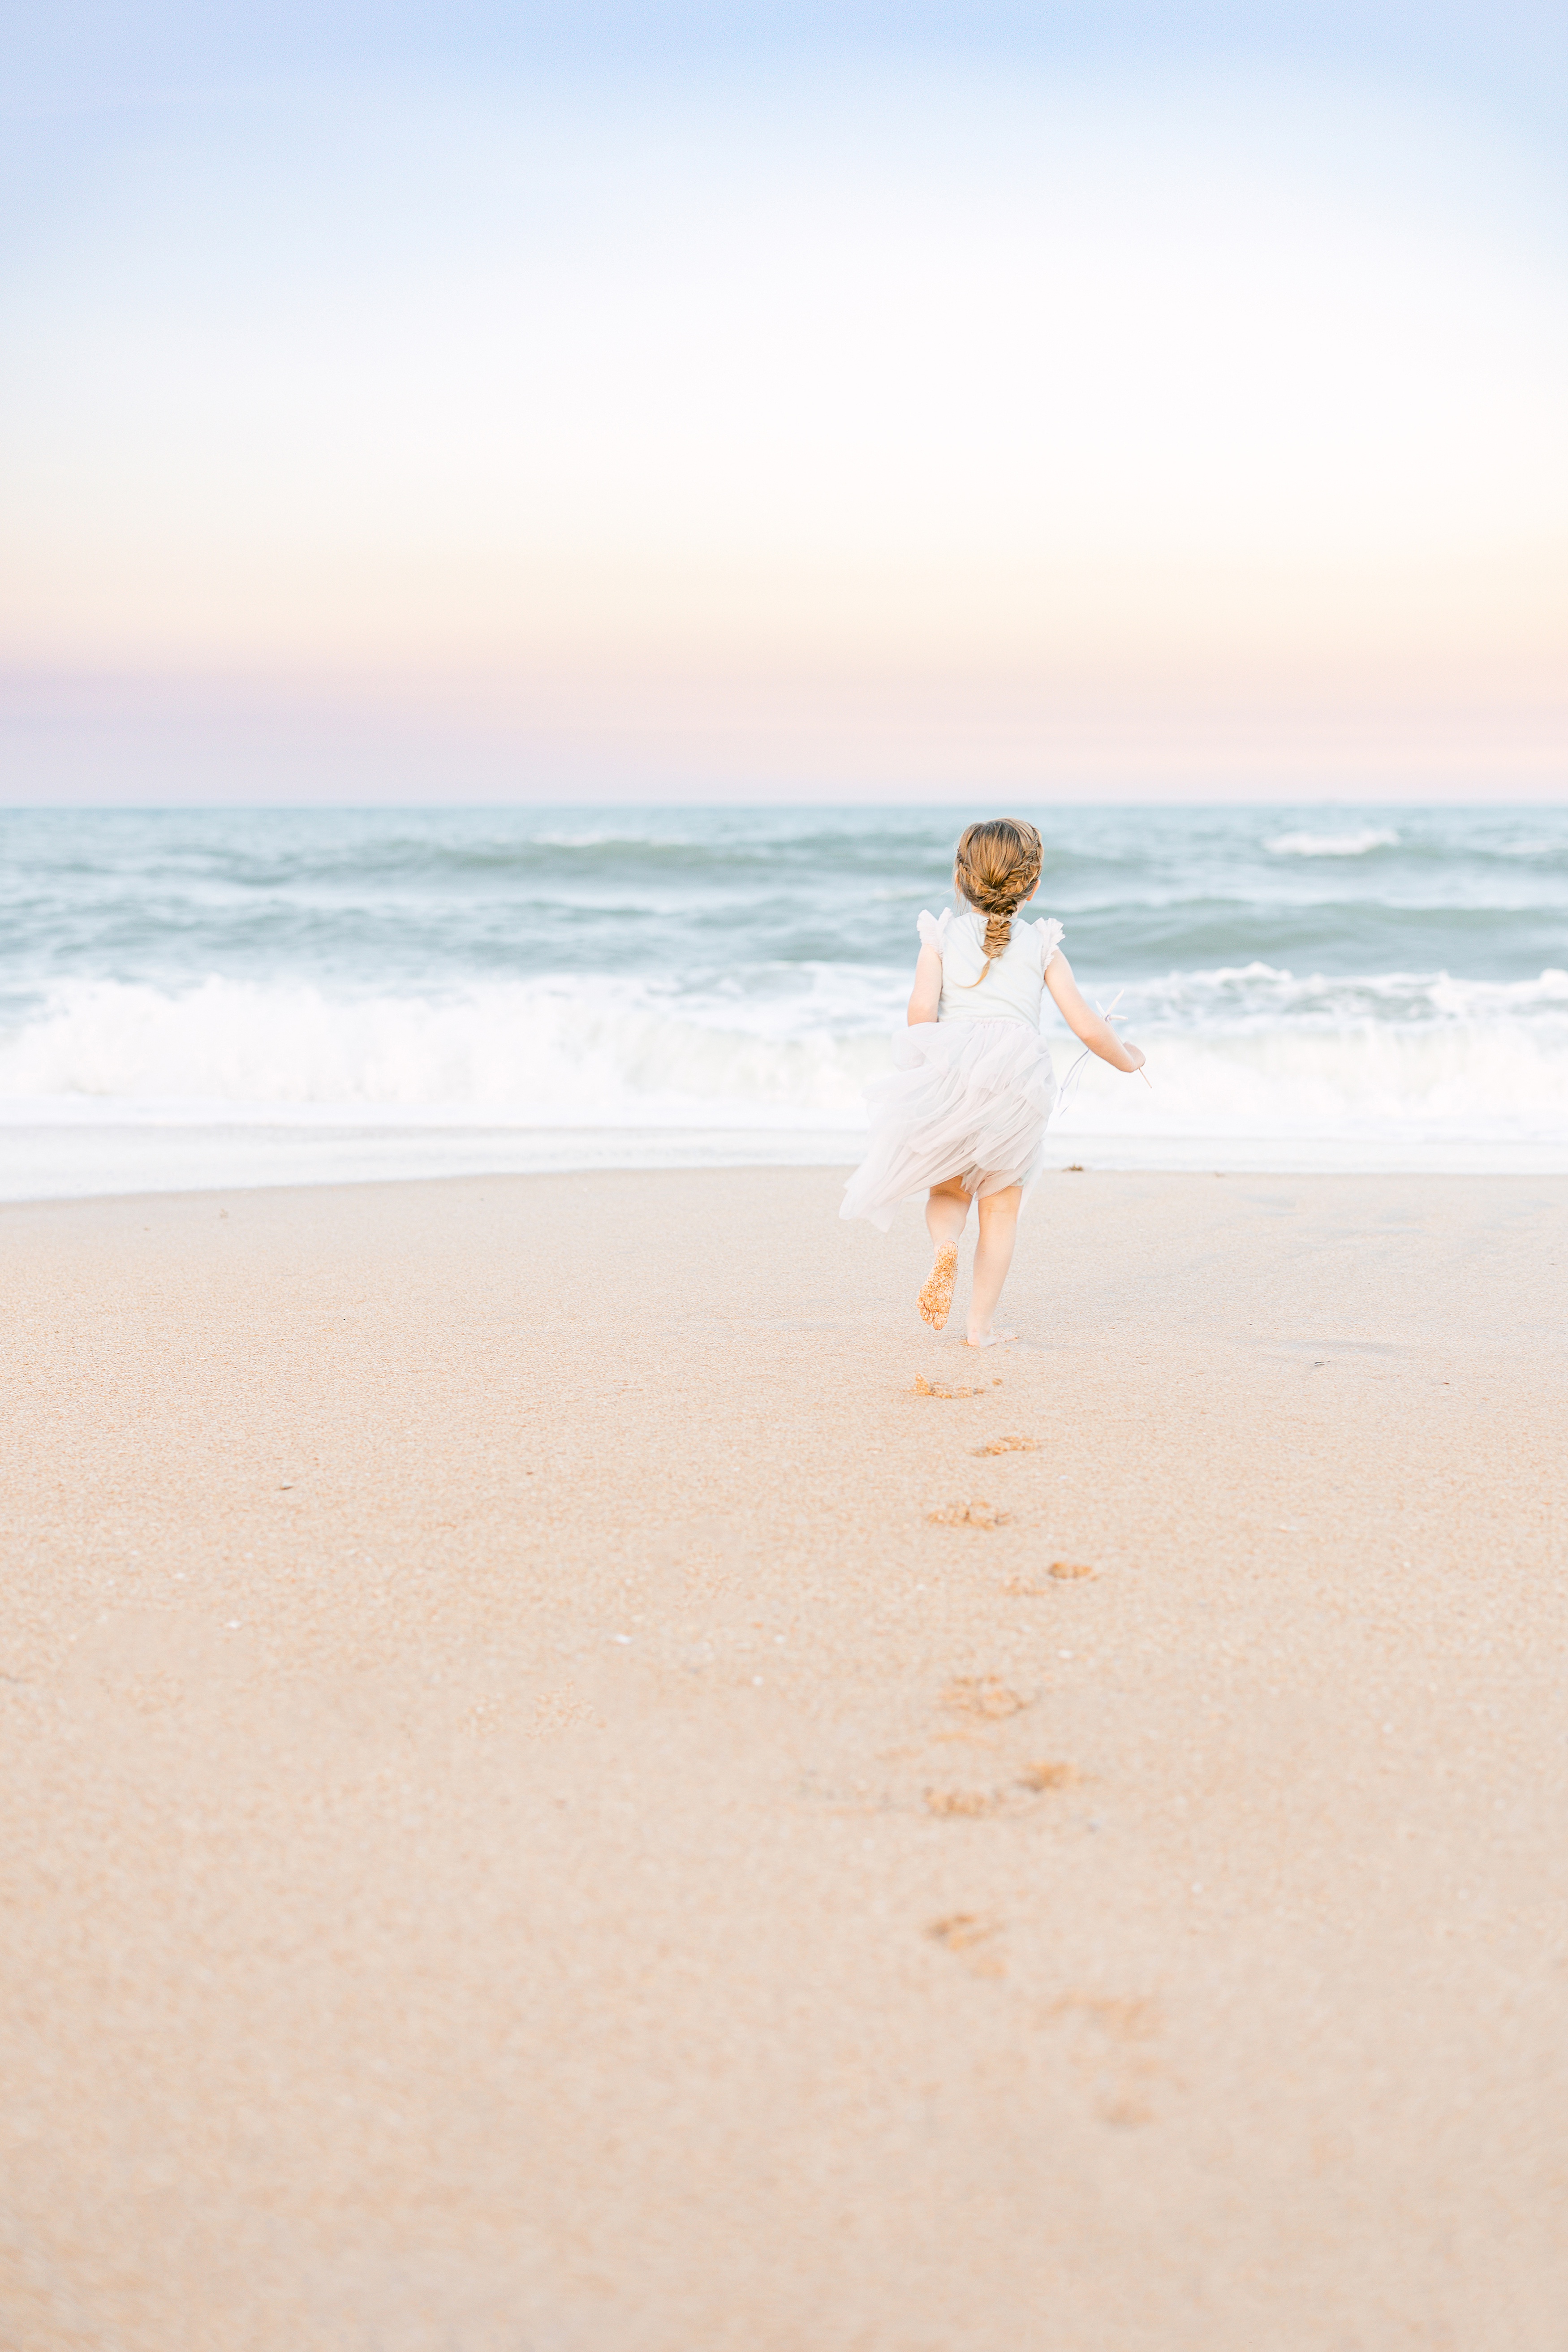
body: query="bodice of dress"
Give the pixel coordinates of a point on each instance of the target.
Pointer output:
(1012, 986)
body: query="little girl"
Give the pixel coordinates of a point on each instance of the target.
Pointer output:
(964, 1113)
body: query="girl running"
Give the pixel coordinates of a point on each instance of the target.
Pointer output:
(962, 1116)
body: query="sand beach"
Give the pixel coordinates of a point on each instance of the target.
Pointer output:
(560, 1791)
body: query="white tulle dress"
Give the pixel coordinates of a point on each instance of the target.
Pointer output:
(972, 1091)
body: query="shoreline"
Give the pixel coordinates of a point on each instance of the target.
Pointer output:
(77, 1161)
(553, 1791)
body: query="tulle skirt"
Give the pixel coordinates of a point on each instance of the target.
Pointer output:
(967, 1098)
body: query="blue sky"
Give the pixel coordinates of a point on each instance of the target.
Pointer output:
(1516, 52)
(704, 400)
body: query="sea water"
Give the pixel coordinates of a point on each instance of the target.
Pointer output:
(191, 997)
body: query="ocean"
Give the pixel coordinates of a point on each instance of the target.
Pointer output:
(195, 997)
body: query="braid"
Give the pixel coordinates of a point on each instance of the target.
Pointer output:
(995, 868)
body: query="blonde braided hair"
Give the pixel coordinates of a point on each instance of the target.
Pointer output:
(996, 866)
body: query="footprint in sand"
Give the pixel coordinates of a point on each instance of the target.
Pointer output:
(962, 1804)
(1030, 1588)
(1119, 2021)
(987, 1699)
(1008, 1445)
(922, 1387)
(984, 1805)
(971, 1937)
(983, 1695)
(1111, 2051)
(961, 1930)
(969, 1515)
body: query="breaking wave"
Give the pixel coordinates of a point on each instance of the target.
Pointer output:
(1248, 1049)
(1334, 845)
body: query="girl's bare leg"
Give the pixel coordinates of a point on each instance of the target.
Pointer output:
(947, 1210)
(993, 1256)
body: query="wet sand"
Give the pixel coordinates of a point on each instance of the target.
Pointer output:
(522, 1830)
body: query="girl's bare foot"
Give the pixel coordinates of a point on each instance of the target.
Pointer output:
(987, 1338)
(935, 1301)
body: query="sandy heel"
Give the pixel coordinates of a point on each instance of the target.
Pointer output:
(935, 1301)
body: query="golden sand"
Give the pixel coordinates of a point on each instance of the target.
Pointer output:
(473, 1657)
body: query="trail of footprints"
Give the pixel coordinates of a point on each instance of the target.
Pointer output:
(984, 1698)
(977, 1512)
(1108, 2037)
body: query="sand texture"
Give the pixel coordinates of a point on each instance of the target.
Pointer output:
(577, 1780)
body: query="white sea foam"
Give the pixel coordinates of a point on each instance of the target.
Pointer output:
(1334, 845)
(579, 1052)
(1239, 999)
(1479, 1082)
(1244, 1050)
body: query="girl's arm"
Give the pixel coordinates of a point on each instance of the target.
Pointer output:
(926, 992)
(1089, 1026)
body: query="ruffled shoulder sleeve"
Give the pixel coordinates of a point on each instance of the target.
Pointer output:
(934, 929)
(1049, 932)
(963, 948)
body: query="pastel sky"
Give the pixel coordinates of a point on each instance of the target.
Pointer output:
(485, 403)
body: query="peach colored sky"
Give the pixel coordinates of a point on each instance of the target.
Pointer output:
(880, 430)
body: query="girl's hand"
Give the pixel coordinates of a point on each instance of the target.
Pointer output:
(1090, 1028)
